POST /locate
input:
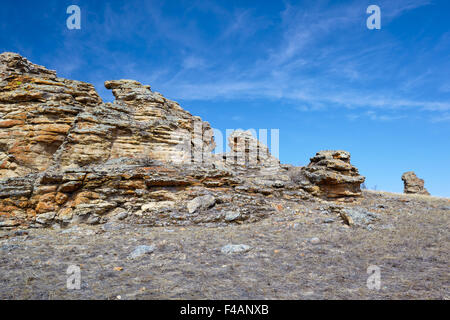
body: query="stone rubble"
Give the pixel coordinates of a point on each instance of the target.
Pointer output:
(330, 175)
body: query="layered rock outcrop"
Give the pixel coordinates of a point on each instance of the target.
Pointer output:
(52, 122)
(413, 184)
(38, 111)
(330, 175)
(247, 151)
(67, 157)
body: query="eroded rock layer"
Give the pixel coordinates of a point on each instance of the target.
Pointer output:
(38, 110)
(330, 175)
(67, 157)
(413, 184)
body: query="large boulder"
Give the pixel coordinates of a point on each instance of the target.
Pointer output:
(413, 184)
(330, 175)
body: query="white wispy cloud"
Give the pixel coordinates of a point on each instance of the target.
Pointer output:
(445, 117)
(302, 67)
(318, 57)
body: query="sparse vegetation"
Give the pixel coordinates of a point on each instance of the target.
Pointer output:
(409, 242)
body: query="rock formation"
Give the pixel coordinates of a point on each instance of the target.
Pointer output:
(412, 184)
(247, 151)
(67, 157)
(53, 122)
(330, 175)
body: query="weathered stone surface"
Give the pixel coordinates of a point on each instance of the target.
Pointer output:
(48, 121)
(67, 157)
(329, 175)
(247, 151)
(232, 216)
(409, 239)
(141, 251)
(38, 111)
(203, 202)
(357, 217)
(235, 248)
(413, 184)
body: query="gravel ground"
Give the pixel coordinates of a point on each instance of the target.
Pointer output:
(305, 251)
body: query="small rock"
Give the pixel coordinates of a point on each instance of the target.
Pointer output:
(88, 232)
(110, 226)
(314, 240)
(71, 230)
(140, 251)
(45, 218)
(235, 248)
(119, 213)
(231, 216)
(93, 220)
(123, 215)
(329, 220)
(156, 206)
(347, 218)
(358, 216)
(56, 227)
(203, 202)
(413, 184)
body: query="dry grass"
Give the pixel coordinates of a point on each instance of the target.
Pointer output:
(409, 242)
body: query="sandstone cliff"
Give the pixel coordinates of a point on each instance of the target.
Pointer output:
(67, 157)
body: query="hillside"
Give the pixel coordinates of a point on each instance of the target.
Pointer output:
(131, 193)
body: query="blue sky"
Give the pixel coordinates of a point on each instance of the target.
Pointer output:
(311, 69)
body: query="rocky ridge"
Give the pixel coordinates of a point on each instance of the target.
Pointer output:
(67, 157)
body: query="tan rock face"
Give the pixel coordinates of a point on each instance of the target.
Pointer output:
(37, 111)
(67, 157)
(48, 121)
(412, 184)
(331, 175)
(139, 124)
